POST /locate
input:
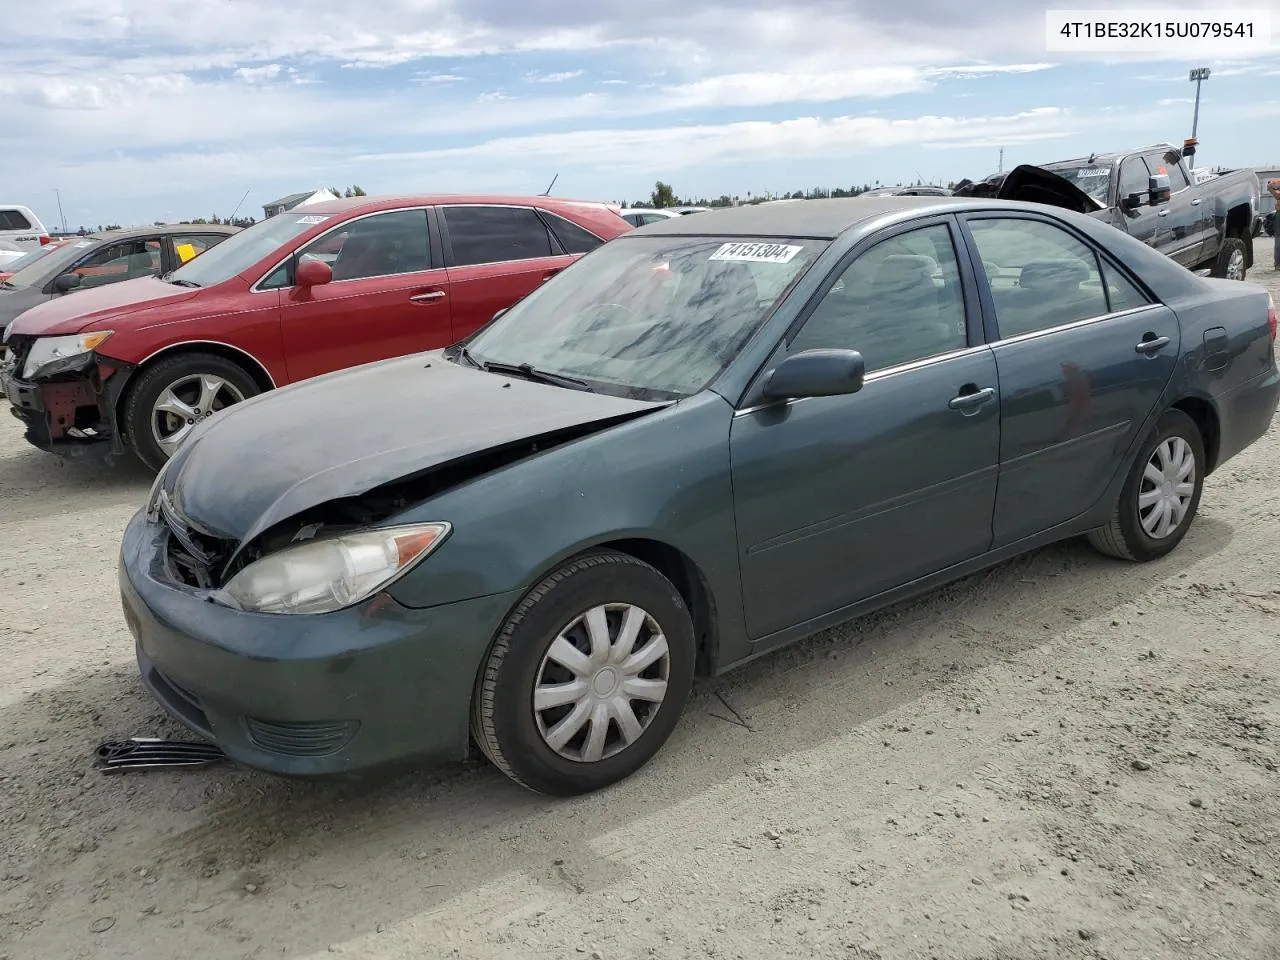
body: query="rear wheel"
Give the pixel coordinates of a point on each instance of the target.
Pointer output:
(1230, 263)
(170, 398)
(1160, 496)
(587, 677)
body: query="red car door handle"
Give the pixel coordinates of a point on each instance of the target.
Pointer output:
(551, 273)
(427, 297)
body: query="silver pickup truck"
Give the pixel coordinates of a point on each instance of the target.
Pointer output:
(1149, 194)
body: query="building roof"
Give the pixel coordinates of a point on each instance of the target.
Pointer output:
(291, 199)
(816, 219)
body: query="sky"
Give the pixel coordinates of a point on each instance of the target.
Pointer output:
(136, 111)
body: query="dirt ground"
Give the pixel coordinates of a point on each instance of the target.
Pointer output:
(1064, 757)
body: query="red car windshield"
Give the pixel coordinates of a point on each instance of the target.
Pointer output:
(241, 251)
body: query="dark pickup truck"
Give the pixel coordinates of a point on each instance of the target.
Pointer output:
(1149, 194)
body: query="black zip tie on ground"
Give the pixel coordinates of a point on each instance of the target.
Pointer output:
(145, 753)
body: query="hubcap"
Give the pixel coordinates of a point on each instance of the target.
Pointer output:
(1235, 266)
(601, 682)
(186, 402)
(1168, 484)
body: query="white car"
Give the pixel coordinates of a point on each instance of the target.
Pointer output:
(639, 216)
(20, 226)
(9, 252)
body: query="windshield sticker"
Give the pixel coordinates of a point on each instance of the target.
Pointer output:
(1092, 172)
(82, 243)
(753, 252)
(311, 219)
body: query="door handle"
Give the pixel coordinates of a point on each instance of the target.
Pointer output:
(1195, 202)
(1163, 213)
(551, 273)
(1150, 344)
(971, 399)
(426, 297)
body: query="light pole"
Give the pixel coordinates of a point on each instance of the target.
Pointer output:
(1198, 76)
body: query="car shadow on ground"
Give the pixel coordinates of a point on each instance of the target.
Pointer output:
(35, 484)
(211, 834)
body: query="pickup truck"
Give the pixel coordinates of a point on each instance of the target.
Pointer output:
(1149, 195)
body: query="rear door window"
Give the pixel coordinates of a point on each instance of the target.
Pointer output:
(491, 234)
(1040, 276)
(572, 237)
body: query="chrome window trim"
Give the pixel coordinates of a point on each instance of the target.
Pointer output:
(901, 368)
(258, 288)
(1073, 325)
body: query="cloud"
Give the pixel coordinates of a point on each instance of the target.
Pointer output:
(561, 77)
(682, 147)
(1173, 101)
(258, 74)
(436, 78)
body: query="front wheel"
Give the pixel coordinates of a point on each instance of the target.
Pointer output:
(587, 678)
(1230, 262)
(1160, 496)
(170, 398)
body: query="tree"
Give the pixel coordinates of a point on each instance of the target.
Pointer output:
(355, 191)
(663, 195)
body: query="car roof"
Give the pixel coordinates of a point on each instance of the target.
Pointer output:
(164, 230)
(816, 219)
(390, 202)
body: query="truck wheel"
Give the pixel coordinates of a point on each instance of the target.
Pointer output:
(1231, 260)
(169, 399)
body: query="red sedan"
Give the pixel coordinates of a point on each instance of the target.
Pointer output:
(135, 365)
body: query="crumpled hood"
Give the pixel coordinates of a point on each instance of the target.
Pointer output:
(1031, 184)
(281, 453)
(96, 306)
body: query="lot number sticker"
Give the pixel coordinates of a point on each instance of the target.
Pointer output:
(755, 252)
(312, 219)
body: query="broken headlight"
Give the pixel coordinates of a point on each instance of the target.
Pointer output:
(320, 576)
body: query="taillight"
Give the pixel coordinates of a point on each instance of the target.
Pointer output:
(46, 239)
(1271, 318)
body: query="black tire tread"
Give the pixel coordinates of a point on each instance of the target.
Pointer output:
(483, 730)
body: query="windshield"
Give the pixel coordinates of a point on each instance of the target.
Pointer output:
(242, 250)
(649, 316)
(36, 272)
(1092, 178)
(27, 258)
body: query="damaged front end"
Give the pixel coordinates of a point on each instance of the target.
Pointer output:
(1031, 184)
(216, 567)
(67, 403)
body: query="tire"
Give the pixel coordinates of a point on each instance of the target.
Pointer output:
(1124, 536)
(190, 377)
(1231, 259)
(517, 738)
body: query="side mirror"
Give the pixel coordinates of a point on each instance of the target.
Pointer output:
(312, 273)
(1134, 200)
(816, 373)
(1159, 188)
(66, 283)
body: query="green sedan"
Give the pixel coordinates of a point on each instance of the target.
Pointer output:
(706, 439)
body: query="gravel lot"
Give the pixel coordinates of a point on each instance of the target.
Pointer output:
(1064, 757)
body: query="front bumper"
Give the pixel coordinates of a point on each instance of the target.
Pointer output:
(66, 416)
(307, 695)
